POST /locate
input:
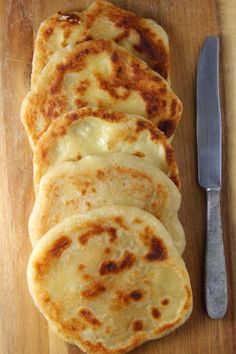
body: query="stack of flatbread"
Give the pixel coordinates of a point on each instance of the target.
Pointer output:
(106, 269)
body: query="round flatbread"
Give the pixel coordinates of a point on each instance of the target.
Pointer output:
(96, 131)
(117, 178)
(110, 280)
(102, 20)
(98, 73)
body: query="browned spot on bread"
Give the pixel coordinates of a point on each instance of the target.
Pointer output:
(88, 204)
(100, 174)
(54, 308)
(81, 267)
(113, 267)
(107, 250)
(84, 84)
(168, 126)
(87, 276)
(94, 290)
(156, 313)
(80, 103)
(139, 154)
(158, 251)
(132, 172)
(137, 221)
(136, 295)
(97, 229)
(168, 326)
(137, 325)
(122, 298)
(68, 16)
(114, 57)
(59, 246)
(153, 103)
(188, 302)
(125, 298)
(48, 32)
(153, 131)
(72, 325)
(157, 248)
(165, 302)
(89, 317)
(120, 221)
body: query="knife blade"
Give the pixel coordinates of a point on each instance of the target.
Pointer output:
(209, 174)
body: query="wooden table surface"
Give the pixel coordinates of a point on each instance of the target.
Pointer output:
(22, 329)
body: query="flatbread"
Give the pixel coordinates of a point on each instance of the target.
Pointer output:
(95, 131)
(98, 73)
(94, 181)
(110, 280)
(102, 20)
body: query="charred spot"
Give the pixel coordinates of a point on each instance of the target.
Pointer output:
(100, 174)
(94, 190)
(152, 102)
(114, 57)
(145, 45)
(59, 246)
(165, 302)
(98, 230)
(88, 204)
(69, 17)
(158, 251)
(156, 313)
(136, 295)
(89, 317)
(168, 126)
(139, 154)
(88, 38)
(108, 267)
(111, 266)
(94, 290)
(137, 325)
(124, 21)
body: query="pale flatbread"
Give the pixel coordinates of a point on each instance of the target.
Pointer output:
(95, 131)
(102, 20)
(98, 73)
(94, 181)
(110, 280)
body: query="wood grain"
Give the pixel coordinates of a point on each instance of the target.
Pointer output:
(22, 329)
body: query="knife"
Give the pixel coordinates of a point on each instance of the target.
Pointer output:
(209, 174)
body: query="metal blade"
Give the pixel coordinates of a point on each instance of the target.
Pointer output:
(209, 116)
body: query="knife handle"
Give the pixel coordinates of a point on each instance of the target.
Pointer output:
(216, 294)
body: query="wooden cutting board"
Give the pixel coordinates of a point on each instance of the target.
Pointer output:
(22, 328)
